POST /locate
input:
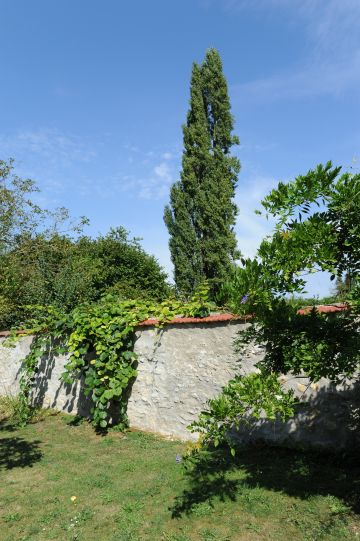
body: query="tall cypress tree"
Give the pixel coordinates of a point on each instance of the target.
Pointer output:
(201, 215)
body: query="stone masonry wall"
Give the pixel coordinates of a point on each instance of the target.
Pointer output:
(179, 369)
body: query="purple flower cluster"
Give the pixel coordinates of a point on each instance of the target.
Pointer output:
(244, 299)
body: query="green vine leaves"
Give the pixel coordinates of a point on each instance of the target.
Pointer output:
(99, 342)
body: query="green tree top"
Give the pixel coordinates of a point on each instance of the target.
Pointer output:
(201, 215)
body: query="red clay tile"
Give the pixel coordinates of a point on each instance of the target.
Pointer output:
(215, 318)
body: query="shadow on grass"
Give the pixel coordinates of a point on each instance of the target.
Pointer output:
(15, 452)
(77, 420)
(5, 426)
(216, 476)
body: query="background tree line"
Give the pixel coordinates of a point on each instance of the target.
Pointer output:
(46, 259)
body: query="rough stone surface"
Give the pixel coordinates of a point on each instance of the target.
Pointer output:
(179, 370)
(10, 365)
(183, 366)
(49, 391)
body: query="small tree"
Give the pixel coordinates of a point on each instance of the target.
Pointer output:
(317, 229)
(18, 213)
(201, 215)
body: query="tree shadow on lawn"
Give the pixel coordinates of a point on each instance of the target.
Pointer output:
(15, 452)
(215, 475)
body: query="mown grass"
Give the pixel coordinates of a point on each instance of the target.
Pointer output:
(130, 487)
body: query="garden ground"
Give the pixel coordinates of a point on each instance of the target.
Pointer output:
(60, 480)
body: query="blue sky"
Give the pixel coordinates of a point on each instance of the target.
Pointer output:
(94, 93)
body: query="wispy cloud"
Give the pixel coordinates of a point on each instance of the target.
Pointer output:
(254, 147)
(251, 229)
(313, 80)
(132, 148)
(332, 24)
(152, 184)
(54, 158)
(50, 145)
(332, 62)
(320, 15)
(163, 171)
(150, 175)
(157, 186)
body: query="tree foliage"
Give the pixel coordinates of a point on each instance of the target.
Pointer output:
(201, 214)
(243, 400)
(18, 213)
(46, 259)
(21, 218)
(65, 272)
(317, 229)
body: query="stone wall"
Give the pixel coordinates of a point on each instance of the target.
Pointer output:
(179, 369)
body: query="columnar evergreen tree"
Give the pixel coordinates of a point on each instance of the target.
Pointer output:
(201, 215)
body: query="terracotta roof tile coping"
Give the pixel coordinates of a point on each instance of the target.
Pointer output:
(325, 308)
(216, 318)
(8, 333)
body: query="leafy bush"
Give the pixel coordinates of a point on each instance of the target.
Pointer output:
(242, 400)
(45, 258)
(63, 272)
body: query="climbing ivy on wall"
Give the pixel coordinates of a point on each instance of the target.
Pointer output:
(99, 341)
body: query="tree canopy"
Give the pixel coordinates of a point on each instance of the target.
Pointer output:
(201, 215)
(317, 229)
(41, 264)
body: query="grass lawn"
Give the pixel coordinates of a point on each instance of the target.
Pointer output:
(130, 487)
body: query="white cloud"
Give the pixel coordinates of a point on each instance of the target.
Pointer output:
(250, 228)
(332, 63)
(158, 187)
(152, 190)
(152, 187)
(51, 145)
(333, 79)
(132, 148)
(331, 24)
(321, 14)
(52, 158)
(163, 171)
(149, 178)
(255, 147)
